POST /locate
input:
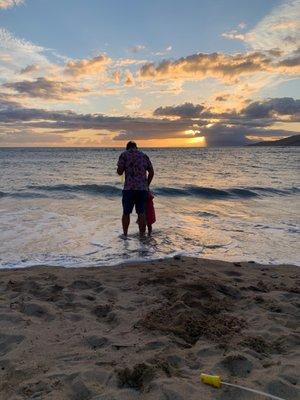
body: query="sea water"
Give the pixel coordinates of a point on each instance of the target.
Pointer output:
(62, 207)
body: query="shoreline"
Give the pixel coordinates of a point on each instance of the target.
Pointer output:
(146, 330)
(142, 261)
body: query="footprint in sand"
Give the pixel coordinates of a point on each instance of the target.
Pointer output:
(96, 342)
(35, 310)
(8, 342)
(237, 365)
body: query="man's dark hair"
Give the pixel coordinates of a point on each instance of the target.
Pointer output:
(131, 145)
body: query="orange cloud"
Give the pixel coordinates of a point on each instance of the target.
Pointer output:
(129, 80)
(226, 67)
(91, 66)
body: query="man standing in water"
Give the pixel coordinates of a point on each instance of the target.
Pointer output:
(138, 176)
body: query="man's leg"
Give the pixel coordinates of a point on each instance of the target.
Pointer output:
(142, 224)
(125, 223)
(140, 206)
(128, 203)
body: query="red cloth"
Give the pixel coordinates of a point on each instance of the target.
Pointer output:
(150, 212)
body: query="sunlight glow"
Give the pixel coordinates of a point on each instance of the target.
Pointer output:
(199, 140)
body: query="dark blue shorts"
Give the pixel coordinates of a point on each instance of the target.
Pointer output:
(137, 198)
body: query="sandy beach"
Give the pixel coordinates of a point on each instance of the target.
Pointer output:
(147, 331)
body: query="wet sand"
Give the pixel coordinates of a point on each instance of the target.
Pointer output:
(146, 331)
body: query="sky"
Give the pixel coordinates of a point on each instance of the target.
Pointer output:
(97, 73)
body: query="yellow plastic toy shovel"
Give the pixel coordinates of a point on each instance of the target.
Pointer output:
(212, 380)
(215, 381)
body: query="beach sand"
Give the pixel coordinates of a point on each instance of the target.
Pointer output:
(147, 331)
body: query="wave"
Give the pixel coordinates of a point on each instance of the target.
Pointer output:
(205, 192)
(206, 214)
(214, 193)
(69, 191)
(24, 195)
(92, 188)
(268, 190)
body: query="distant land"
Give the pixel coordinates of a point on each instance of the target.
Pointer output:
(288, 141)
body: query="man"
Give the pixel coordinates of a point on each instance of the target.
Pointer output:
(138, 176)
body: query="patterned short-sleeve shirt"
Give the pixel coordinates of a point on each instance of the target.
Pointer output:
(135, 164)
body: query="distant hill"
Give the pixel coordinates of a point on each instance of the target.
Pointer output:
(289, 141)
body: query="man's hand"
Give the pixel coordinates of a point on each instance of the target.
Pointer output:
(120, 171)
(150, 176)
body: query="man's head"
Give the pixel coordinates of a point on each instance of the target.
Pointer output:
(131, 146)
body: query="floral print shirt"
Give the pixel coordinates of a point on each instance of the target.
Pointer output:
(135, 164)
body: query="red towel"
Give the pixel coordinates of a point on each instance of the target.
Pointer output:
(150, 212)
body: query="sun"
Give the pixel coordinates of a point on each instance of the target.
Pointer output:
(198, 141)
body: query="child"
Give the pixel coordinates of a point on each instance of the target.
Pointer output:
(150, 213)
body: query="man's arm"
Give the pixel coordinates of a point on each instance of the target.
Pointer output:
(121, 165)
(150, 171)
(150, 175)
(120, 170)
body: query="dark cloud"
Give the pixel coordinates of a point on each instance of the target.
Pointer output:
(232, 128)
(46, 89)
(150, 134)
(219, 134)
(7, 103)
(267, 108)
(222, 98)
(186, 110)
(293, 60)
(30, 68)
(24, 137)
(39, 118)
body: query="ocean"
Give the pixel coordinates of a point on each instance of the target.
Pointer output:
(62, 207)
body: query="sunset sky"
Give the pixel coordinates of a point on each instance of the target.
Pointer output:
(161, 72)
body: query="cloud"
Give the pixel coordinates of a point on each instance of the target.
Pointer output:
(16, 116)
(46, 89)
(162, 53)
(242, 25)
(220, 129)
(186, 110)
(293, 60)
(231, 135)
(226, 67)
(10, 3)
(26, 137)
(138, 48)
(279, 29)
(129, 79)
(127, 61)
(223, 97)
(150, 135)
(271, 107)
(234, 34)
(116, 76)
(133, 104)
(7, 103)
(17, 54)
(91, 66)
(30, 69)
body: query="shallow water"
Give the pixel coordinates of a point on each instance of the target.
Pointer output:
(62, 206)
